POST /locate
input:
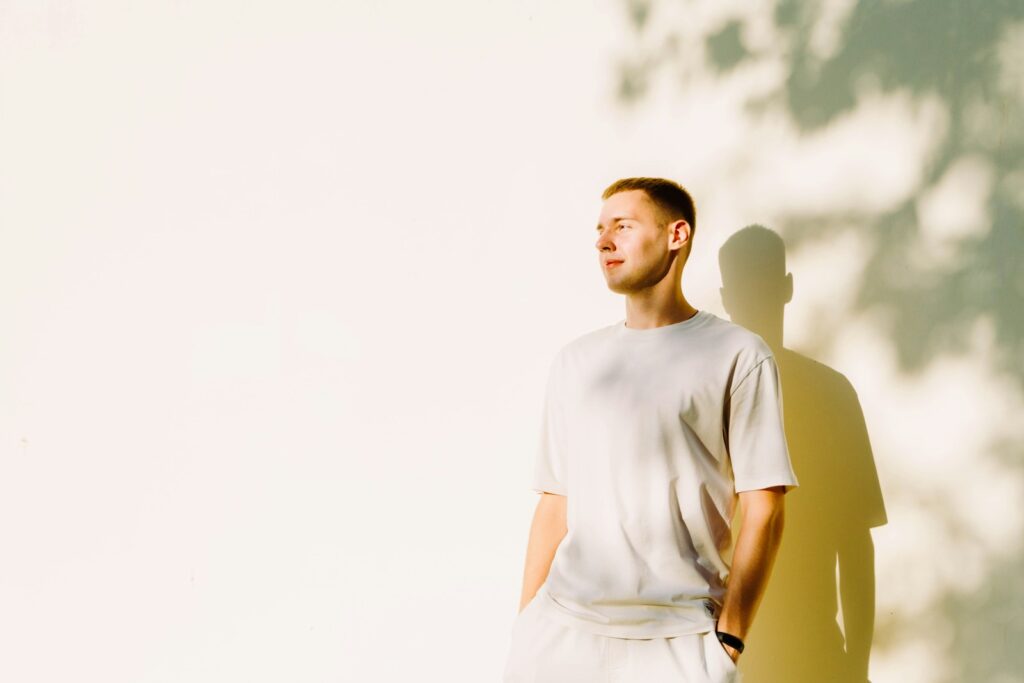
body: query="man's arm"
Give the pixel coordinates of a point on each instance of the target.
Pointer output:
(546, 532)
(753, 557)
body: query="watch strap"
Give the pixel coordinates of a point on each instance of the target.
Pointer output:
(730, 640)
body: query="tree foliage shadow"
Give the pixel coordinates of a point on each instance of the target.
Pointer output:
(944, 51)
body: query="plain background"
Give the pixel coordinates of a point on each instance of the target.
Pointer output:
(279, 284)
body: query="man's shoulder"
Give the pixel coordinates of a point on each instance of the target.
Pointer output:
(735, 339)
(586, 340)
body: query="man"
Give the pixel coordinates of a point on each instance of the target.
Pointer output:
(654, 429)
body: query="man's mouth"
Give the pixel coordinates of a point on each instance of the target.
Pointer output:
(611, 263)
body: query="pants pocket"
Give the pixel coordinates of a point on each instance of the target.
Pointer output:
(715, 651)
(519, 659)
(527, 608)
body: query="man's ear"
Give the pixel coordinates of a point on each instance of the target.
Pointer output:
(681, 232)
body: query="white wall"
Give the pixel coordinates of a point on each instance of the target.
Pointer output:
(279, 284)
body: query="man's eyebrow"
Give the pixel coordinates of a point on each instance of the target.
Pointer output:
(616, 219)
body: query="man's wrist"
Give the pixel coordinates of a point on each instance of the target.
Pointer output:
(731, 642)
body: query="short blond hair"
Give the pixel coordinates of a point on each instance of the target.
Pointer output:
(670, 199)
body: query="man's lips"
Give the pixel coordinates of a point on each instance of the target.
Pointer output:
(611, 263)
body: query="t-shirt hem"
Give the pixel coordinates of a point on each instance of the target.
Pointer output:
(768, 483)
(559, 490)
(700, 623)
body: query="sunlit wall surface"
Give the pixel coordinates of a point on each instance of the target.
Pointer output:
(279, 284)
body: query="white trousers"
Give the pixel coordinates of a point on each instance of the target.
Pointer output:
(546, 651)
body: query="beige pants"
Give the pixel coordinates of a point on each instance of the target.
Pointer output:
(546, 651)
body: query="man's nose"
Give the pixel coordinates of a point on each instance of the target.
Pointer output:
(603, 243)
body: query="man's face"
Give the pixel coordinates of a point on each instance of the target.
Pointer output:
(632, 245)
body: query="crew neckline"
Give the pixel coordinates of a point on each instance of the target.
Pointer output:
(662, 330)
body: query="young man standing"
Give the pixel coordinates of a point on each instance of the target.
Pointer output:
(654, 429)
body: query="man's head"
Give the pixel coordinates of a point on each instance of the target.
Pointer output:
(645, 232)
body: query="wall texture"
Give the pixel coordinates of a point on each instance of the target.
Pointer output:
(279, 283)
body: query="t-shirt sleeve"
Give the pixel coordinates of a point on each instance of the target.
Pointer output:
(550, 462)
(756, 435)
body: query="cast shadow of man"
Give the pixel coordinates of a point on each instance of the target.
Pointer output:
(826, 558)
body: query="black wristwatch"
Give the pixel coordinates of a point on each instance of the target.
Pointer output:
(730, 640)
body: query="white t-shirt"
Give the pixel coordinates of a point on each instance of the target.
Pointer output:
(650, 433)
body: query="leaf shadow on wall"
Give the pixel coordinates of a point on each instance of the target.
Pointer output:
(942, 262)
